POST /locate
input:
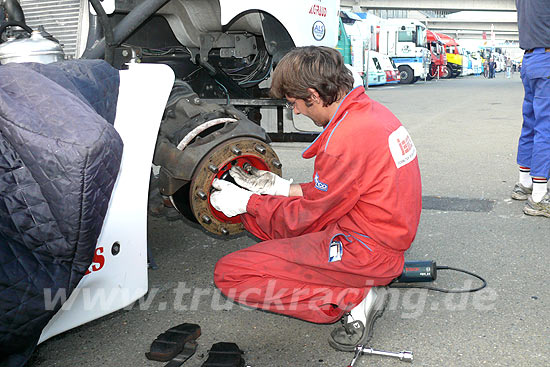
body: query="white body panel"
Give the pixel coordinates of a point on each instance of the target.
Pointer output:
(384, 61)
(114, 282)
(358, 45)
(467, 65)
(357, 80)
(299, 17)
(376, 73)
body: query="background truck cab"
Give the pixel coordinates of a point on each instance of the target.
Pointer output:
(404, 41)
(454, 55)
(438, 63)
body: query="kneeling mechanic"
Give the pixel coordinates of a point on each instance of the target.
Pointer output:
(330, 245)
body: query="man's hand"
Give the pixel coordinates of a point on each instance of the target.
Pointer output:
(230, 199)
(261, 182)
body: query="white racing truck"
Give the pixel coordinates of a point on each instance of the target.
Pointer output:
(194, 78)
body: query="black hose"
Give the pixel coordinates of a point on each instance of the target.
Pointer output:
(126, 27)
(14, 11)
(12, 23)
(107, 30)
(95, 30)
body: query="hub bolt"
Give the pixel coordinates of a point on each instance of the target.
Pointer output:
(277, 164)
(259, 149)
(206, 219)
(201, 194)
(236, 151)
(213, 168)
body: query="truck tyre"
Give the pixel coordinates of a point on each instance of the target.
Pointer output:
(447, 72)
(407, 74)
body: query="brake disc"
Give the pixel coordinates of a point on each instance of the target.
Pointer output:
(243, 152)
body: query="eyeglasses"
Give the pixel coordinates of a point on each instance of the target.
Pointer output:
(290, 105)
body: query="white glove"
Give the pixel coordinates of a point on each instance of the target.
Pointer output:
(261, 182)
(231, 200)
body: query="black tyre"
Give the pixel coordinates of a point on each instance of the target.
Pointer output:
(447, 72)
(407, 74)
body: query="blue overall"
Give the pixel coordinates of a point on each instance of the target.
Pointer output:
(534, 142)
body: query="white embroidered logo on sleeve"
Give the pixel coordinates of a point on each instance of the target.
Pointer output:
(402, 147)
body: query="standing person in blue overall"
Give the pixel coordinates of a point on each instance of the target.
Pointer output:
(534, 143)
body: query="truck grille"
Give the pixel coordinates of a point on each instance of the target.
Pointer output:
(59, 17)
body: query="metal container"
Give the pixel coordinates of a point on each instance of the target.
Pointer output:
(33, 49)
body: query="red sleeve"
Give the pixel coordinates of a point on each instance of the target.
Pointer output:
(334, 192)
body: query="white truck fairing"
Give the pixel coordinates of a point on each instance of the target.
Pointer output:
(307, 21)
(115, 280)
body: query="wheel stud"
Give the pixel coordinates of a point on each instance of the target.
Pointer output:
(259, 149)
(277, 164)
(201, 194)
(213, 168)
(206, 219)
(236, 151)
(224, 231)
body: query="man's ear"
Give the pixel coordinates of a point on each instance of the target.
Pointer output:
(315, 97)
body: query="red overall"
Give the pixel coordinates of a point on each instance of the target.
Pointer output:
(365, 198)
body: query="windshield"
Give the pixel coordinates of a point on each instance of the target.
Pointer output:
(406, 36)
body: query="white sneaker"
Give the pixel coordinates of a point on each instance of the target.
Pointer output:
(357, 326)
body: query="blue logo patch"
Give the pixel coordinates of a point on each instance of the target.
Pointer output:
(318, 30)
(320, 185)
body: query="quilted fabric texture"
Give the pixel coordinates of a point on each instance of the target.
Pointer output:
(59, 160)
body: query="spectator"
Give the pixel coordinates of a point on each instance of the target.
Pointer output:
(534, 143)
(492, 67)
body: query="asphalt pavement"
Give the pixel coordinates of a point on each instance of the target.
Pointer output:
(465, 131)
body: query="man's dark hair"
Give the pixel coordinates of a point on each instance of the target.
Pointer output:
(320, 68)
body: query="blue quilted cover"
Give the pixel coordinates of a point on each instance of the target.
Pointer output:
(59, 158)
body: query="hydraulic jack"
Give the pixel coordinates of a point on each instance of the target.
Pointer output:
(404, 356)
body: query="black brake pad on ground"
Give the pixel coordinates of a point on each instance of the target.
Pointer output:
(188, 350)
(224, 355)
(170, 343)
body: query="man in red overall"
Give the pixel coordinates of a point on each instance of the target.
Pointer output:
(330, 244)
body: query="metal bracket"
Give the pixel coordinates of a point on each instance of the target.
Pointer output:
(280, 136)
(231, 45)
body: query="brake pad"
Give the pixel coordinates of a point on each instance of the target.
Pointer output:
(170, 343)
(188, 350)
(224, 355)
